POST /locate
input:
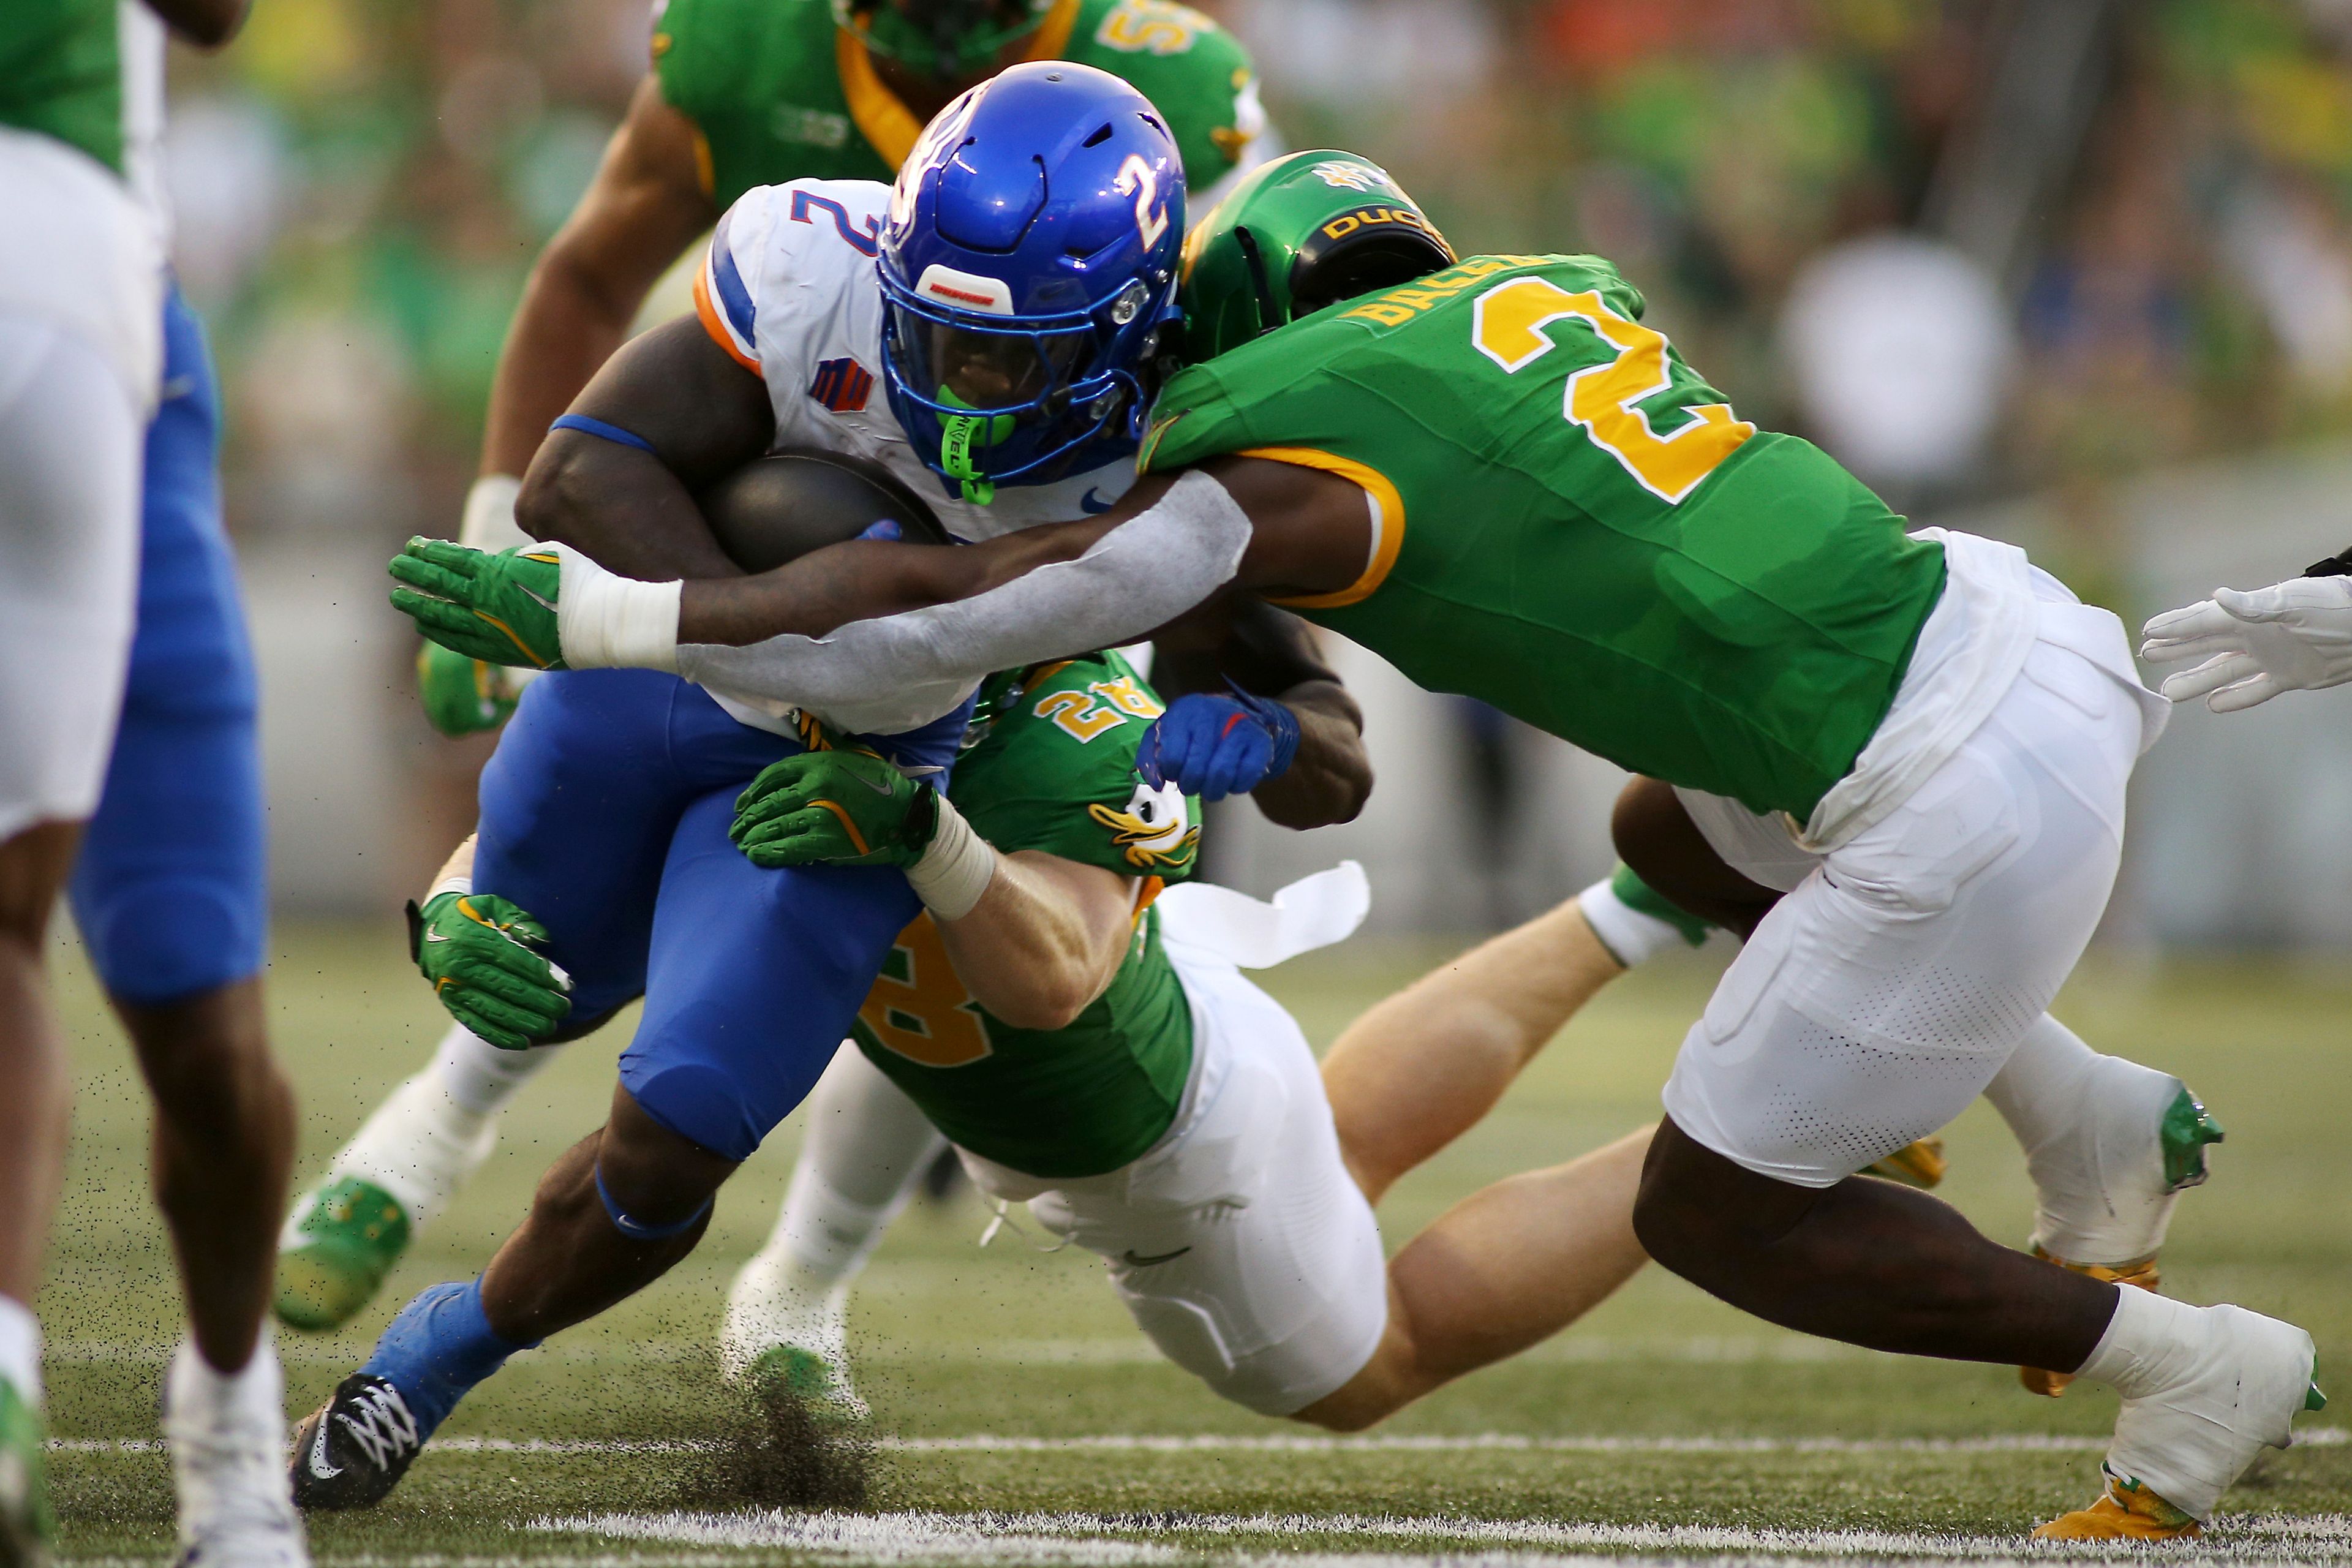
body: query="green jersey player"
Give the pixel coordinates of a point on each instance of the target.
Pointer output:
(1492, 472)
(742, 93)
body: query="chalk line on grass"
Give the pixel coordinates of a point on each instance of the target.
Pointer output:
(1230, 1540)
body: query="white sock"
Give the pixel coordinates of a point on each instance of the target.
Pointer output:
(1632, 937)
(20, 1349)
(866, 1149)
(226, 1432)
(195, 1390)
(480, 1078)
(2152, 1343)
(2089, 1125)
(431, 1132)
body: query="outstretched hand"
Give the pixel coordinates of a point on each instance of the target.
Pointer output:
(498, 609)
(2295, 635)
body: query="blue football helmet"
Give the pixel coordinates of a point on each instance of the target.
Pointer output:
(1029, 277)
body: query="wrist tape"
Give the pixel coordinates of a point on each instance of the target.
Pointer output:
(604, 619)
(957, 867)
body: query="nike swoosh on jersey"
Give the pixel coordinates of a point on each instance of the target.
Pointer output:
(1132, 1261)
(1090, 506)
(318, 1466)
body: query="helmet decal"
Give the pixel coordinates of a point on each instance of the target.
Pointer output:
(965, 290)
(1349, 174)
(1299, 233)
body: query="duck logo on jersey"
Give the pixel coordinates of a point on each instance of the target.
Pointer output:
(1343, 174)
(843, 386)
(1155, 832)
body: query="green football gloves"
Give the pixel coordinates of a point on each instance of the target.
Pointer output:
(835, 808)
(498, 608)
(461, 696)
(477, 951)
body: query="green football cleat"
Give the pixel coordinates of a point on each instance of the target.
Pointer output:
(26, 1525)
(820, 1386)
(334, 1258)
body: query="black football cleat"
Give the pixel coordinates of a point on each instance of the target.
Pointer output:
(354, 1449)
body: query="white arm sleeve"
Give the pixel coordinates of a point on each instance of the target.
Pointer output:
(1139, 576)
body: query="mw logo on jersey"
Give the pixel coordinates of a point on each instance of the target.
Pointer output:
(842, 385)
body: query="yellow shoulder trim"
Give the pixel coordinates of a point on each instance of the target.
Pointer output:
(1388, 535)
(889, 126)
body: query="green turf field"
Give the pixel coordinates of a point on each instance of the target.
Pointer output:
(1021, 1418)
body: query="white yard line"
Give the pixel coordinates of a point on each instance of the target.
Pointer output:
(1302, 1443)
(1258, 1540)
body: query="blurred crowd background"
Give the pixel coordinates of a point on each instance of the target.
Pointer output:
(2076, 272)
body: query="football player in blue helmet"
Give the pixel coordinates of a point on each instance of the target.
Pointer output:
(1029, 275)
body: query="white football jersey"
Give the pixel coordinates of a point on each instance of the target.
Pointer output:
(787, 288)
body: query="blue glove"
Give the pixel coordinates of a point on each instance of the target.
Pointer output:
(1214, 746)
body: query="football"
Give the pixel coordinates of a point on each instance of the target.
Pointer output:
(779, 507)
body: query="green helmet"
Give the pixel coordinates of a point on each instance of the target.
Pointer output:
(947, 40)
(1295, 234)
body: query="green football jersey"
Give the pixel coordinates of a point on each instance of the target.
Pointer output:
(1578, 530)
(1054, 769)
(779, 93)
(61, 73)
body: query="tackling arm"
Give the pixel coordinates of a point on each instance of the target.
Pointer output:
(858, 622)
(1044, 939)
(645, 206)
(861, 624)
(1034, 936)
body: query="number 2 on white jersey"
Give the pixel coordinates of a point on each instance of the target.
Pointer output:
(1137, 175)
(1507, 325)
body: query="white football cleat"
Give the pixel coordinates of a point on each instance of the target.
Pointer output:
(780, 1324)
(2230, 1386)
(228, 1439)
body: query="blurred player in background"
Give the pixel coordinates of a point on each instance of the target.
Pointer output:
(101, 581)
(745, 93)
